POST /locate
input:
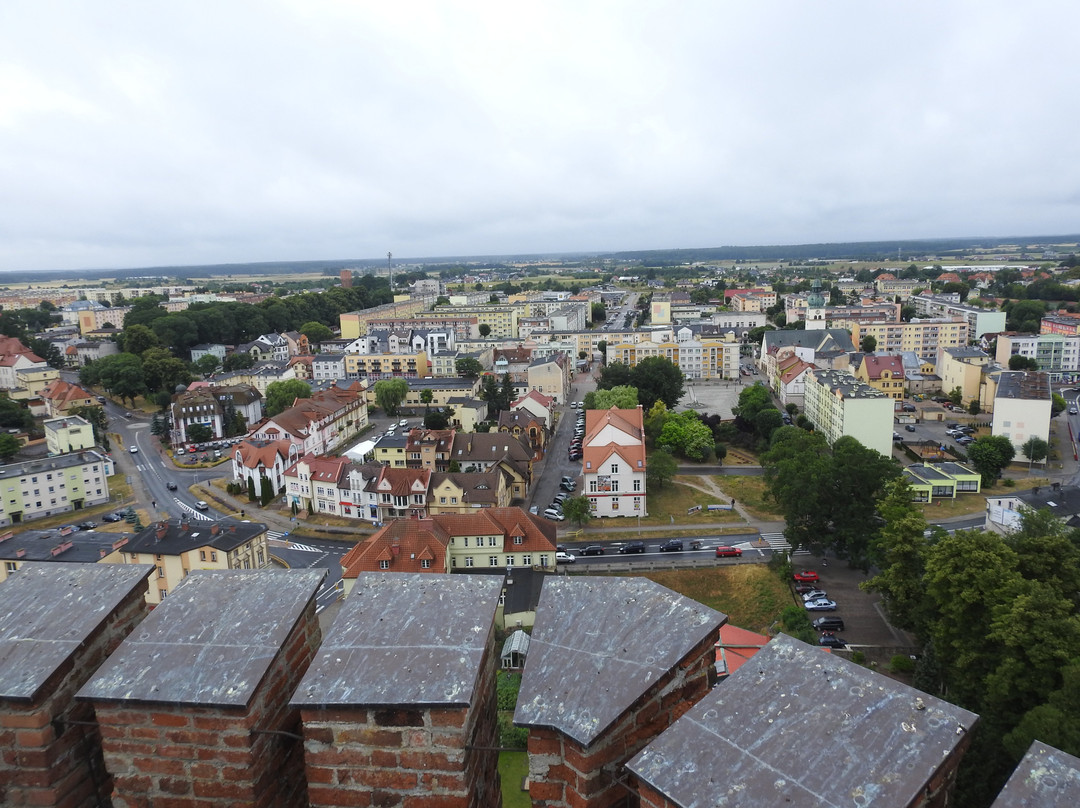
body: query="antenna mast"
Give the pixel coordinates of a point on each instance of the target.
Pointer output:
(390, 271)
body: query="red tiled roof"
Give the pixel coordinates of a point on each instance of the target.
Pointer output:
(876, 365)
(630, 422)
(736, 646)
(254, 453)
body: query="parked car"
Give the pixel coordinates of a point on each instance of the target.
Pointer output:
(201, 505)
(179, 452)
(570, 487)
(830, 623)
(592, 549)
(633, 547)
(828, 640)
(724, 551)
(565, 558)
(170, 485)
(806, 576)
(403, 422)
(802, 589)
(671, 546)
(575, 455)
(909, 427)
(87, 525)
(815, 594)
(907, 407)
(1072, 410)
(556, 515)
(560, 498)
(113, 517)
(534, 509)
(822, 605)
(568, 479)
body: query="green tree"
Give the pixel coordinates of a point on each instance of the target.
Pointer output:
(1035, 449)
(601, 346)
(426, 397)
(316, 332)
(484, 329)
(1057, 404)
(660, 469)
(974, 407)
(177, 332)
(138, 338)
(868, 344)
(159, 427)
(266, 494)
(1018, 362)
(282, 395)
(1055, 722)
(122, 375)
(206, 364)
(237, 361)
(577, 509)
(658, 379)
(752, 400)
(684, 434)
(389, 393)
(507, 393)
(899, 552)
(956, 396)
(654, 420)
(468, 367)
(599, 313)
(624, 397)
(163, 371)
(768, 421)
(433, 419)
(199, 433)
(615, 374)
(9, 445)
(990, 455)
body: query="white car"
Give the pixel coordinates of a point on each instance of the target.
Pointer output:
(551, 513)
(134, 450)
(403, 422)
(564, 558)
(201, 505)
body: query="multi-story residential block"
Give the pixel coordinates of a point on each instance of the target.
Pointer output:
(67, 482)
(175, 547)
(327, 368)
(266, 347)
(1055, 353)
(495, 538)
(923, 337)
(215, 349)
(756, 299)
(888, 285)
(442, 390)
(386, 366)
(196, 407)
(91, 320)
(968, 369)
(550, 375)
(979, 321)
(883, 372)
(69, 434)
(840, 405)
(613, 462)
(405, 314)
(318, 425)
(16, 357)
(260, 376)
(502, 320)
(33, 381)
(1022, 406)
(1061, 324)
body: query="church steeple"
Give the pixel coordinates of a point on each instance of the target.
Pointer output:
(816, 299)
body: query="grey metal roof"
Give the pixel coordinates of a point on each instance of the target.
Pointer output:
(210, 642)
(598, 644)
(796, 725)
(1045, 778)
(404, 639)
(82, 546)
(1024, 384)
(47, 611)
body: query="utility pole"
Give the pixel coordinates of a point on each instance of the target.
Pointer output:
(390, 271)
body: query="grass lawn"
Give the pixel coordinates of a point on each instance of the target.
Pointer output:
(675, 498)
(751, 595)
(750, 493)
(513, 766)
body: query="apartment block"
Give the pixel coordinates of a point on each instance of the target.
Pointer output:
(61, 484)
(840, 405)
(1055, 353)
(386, 366)
(922, 337)
(66, 435)
(1022, 406)
(979, 321)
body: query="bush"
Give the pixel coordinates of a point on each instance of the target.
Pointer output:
(795, 622)
(858, 657)
(507, 686)
(511, 737)
(1008, 483)
(902, 663)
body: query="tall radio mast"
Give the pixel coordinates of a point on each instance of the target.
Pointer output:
(390, 271)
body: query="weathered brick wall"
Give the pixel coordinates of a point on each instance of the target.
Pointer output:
(183, 756)
(407, 757)
(50, 751)
(562, 774)
(648, 797)
(938, 793)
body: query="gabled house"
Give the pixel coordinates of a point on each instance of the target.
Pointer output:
(884, 372)
(266, 347)
(62, 397)
(523, 424)
(252, 460)
(484, 451)
(319, 424)
(613, 462)
(14, 356)
(401, 493)
(791, 379)
(540, 406)
(461, 492)
(429, 448)
(550, 375)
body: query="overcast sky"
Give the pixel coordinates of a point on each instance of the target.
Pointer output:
(145, 133)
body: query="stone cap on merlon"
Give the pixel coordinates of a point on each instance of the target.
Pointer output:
(48, 610)
(210, 642)
(598, 645)
(404, 640)
(798, 725)
(1046, 777)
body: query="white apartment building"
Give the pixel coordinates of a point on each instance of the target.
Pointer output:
(613, 462)
(838, 404)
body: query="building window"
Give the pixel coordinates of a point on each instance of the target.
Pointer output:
(519, 539)
(493, 561)
(526, 560)
(384, 565)
(493, 541)
(213, 556)
(465, 542)
(160, 572)
(162, 593)
(637, 485)
(425, 563)
(468, 561)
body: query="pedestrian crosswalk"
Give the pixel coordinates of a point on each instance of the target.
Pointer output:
(778, 542)
(281, 539)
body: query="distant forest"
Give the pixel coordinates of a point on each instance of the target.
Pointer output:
(849, 251)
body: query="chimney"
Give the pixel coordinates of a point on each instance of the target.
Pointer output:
(215, 529)
(162, 531)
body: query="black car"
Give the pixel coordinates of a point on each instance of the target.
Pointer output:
(830, 640)
(633, 547)
(671, 546)
(592, 549)
(171, 485)
(113, 517)
(829, 624)
(87, 525)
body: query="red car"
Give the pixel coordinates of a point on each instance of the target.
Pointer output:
(806, 577)
(721, 552)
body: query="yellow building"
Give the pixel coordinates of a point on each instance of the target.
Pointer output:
(177, 546)
(384, 366)
(923, 337)
(884, 373)
(502, 320)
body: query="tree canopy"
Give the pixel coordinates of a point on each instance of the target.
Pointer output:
(282, 395)
(990, 455)
(389, 393)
